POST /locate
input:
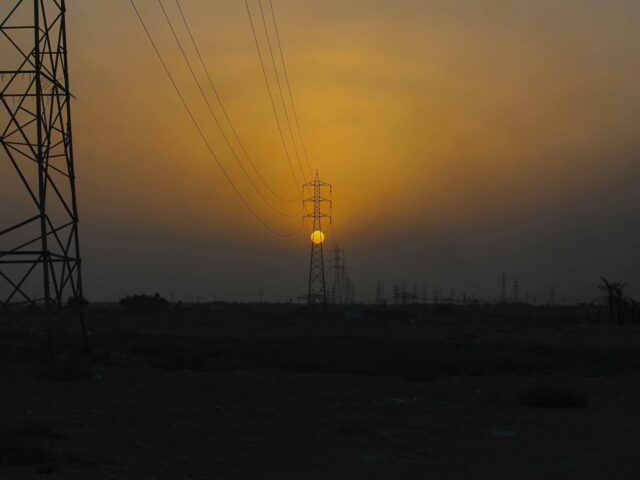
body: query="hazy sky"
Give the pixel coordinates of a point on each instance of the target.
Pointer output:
(462, 138)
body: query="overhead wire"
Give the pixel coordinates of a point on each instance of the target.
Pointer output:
(286, 76)
(202, 135)
(303, 209)
(273, 104)
(223, 107)
(215, 117)
(266, 79)
(284, 106)
(301, 190)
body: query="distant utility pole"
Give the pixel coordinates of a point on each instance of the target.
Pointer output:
(338, 287)
(516, 291)
(317, 293)
(41, 250)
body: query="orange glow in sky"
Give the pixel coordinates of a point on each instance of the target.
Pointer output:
(435, 120)
(425, 106)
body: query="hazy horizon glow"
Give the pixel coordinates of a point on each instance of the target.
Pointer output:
(462, 139)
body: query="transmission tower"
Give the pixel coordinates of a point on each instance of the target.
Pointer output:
(39, 245)
(317, 287)
(338, 287)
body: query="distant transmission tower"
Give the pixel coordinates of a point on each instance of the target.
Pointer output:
(39, 244)
(317, 286)
(338, 287)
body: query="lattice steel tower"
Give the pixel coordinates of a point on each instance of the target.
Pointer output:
(39, 246)
(317, 285)
(338, 287)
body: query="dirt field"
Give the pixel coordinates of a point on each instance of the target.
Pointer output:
(259, 392)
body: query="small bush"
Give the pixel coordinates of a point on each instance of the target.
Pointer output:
(77, 303)
(144, 303)
(552, 395)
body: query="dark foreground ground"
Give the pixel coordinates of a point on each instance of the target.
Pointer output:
(241, 393)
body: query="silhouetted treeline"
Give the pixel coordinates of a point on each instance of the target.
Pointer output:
(144, 303)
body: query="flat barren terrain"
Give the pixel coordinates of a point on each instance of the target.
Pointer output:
(248, 392)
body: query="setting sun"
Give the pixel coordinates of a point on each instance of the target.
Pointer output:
(317, 237)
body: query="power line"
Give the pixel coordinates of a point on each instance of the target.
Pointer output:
(275, 114)
(284, 106)
(273, 105)
(211, 83)
(286, 76)
(201, 133)
(215, 118)
(223, 108)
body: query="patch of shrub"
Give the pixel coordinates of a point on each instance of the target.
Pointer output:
(145, 303)
(552, 395)
(77, 302)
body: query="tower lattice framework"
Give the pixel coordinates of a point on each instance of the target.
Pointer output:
(317, 293)
(39, 245)
(338, 286)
